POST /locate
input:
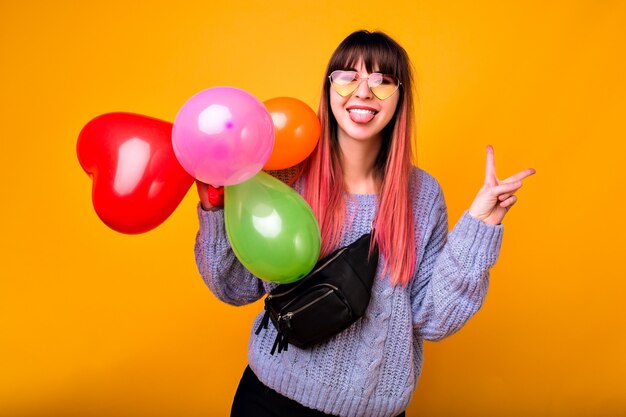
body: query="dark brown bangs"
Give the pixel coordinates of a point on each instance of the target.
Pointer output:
(377, 50)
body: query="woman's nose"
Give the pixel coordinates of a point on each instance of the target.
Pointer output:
(363, 90)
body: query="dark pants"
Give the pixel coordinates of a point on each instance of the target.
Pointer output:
(253, 399)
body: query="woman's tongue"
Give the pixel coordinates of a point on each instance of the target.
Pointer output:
(360, 116)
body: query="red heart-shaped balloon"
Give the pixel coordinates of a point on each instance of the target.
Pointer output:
(137, 180)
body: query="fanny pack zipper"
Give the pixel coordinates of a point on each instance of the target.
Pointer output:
(316, 299)
(270, 296)
(287, 316)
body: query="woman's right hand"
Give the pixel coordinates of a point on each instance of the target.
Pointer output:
(211, 198)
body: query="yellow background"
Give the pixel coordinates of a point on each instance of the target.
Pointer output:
(97, 323)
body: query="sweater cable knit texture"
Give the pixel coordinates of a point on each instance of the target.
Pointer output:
(370, 369)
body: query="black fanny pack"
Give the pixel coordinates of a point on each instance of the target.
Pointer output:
(326, 301)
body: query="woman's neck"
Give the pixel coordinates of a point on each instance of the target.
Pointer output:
(358, 164)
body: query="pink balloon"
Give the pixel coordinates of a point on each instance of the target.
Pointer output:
(223, 136)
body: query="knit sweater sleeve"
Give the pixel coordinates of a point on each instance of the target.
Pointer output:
(453, 272)
(220, 269)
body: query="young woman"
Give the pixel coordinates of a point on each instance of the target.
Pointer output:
(429, 282)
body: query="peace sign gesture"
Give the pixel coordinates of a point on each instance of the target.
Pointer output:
(496, 197)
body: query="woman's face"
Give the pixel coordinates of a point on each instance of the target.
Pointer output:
(361, 115)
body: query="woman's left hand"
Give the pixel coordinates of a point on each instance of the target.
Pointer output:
(496, 197)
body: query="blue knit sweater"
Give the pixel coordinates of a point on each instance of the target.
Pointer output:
(371, 368)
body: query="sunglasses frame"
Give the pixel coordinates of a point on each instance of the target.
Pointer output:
(361, 79)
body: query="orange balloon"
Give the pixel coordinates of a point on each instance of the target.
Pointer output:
(296, 130)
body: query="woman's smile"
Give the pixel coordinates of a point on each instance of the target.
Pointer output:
(361, 114)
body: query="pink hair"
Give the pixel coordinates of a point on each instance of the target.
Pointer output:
(323, 177)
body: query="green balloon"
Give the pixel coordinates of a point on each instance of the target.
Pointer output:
(271, 229)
